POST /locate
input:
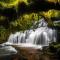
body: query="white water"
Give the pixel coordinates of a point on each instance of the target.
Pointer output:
(41, 36)
(7, 50)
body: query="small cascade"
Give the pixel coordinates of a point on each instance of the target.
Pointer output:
(42, 35)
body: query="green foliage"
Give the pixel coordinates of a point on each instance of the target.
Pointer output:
(8, 3)
(51, 14)
(11, 3)
(24, 22)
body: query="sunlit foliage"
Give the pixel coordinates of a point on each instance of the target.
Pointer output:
(52, 13)
(54, 1)
(10, 3)
(24, 22)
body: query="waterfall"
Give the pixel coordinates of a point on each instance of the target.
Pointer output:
(42, 35)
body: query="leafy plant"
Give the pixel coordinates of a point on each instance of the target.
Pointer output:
(24, 22)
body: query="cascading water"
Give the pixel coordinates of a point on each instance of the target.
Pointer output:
(41, 36)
